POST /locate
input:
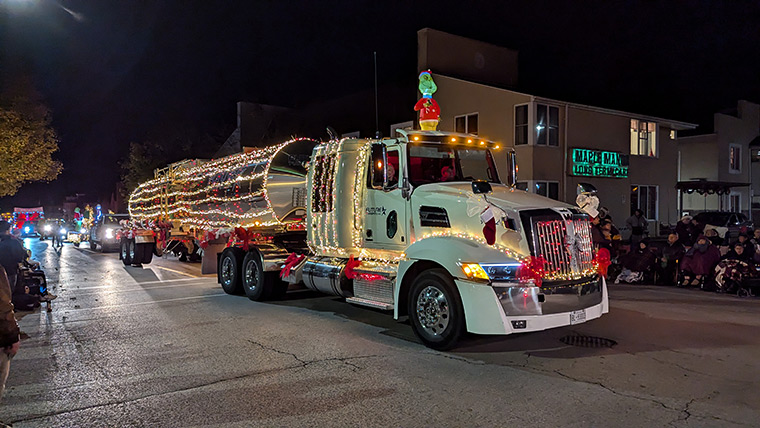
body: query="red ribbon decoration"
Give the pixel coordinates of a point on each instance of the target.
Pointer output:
(532, 269)
(602, 261)
(292, 261)
(350, 265)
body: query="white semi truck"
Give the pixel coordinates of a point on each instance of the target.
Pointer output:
(420, 225)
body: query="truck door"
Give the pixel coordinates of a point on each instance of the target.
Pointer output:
(385, 216)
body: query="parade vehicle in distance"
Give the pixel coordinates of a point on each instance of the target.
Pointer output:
(104, 231)
(419, 225)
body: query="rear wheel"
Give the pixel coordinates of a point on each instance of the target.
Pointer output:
(124, 251)
(143, 253)
(435, 310)
(230, 270)
(93, 245)
(255, 284)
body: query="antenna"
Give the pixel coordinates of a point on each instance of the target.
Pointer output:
(378, 134)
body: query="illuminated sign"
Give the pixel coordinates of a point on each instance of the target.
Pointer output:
(599, 163)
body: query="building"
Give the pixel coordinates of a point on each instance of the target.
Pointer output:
(630, 158)
(719, 171)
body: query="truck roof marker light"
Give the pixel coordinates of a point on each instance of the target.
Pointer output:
(416, 138)
(469, 141)
(453, 139)
(496, 147)
(482, 143)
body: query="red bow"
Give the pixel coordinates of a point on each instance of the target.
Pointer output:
(532, 269)
(602, 261)
(350, 265)
(292, 261)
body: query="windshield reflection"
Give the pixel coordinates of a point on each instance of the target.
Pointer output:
(436, 164)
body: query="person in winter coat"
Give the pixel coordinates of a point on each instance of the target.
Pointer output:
(687, 231)
(672, 255)
(736, 265)
(636, 263)
(12, 253)
(638, 225)
(9, 332)
(699, 261)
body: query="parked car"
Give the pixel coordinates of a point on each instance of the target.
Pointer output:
(734, 222)
(103, 232)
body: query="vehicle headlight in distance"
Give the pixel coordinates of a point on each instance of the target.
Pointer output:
(48, 228)
(474, 271)
(501, 271)
(83, 230)
(63, 230)
(27, 229)
(109, 233)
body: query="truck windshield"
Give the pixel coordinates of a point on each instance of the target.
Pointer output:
(436, 163)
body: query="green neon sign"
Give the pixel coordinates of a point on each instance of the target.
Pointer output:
(599, 163)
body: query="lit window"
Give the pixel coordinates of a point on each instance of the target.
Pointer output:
(467, 124)
(673, 134)
(643, 138)
(547, 125)
(644, 198)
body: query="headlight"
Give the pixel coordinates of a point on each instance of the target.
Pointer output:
(27, 229)
(501, 272)
(48, 228)
(109, 233)
(62, 231)
(83, 230)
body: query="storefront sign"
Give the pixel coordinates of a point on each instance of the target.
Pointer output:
(598, 163)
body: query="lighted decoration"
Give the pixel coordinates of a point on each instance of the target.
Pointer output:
(589, 203)
(351, 264)
(602, 261)
(430, 112)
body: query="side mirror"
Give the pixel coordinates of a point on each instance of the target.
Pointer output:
(481, 186)
(379, 160)
(511, 168)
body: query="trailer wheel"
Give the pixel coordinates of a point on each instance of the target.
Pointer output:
(230, 270)
(94, 246)
(124, 252)
(143, 253)
(255, 284)
(435, 310)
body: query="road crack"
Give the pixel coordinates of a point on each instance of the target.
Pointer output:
(305, 363)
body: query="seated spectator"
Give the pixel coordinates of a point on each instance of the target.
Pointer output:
(756, 238)
(733, 268)
(687, 231)
(699, 261)
(749, 247)
(713, 236)
(672, 254)
(636, 263)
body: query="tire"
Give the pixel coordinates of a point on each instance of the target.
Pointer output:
(143, 253)
(255, 284)
(94, 246)
(124, 252)
(230, 271)
(435, 310)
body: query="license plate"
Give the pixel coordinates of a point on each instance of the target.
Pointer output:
(577, 317)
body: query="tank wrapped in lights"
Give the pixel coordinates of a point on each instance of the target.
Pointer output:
(264, 187)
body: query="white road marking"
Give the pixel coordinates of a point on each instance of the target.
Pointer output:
(124, 290)
(147, 303)
(161, 281)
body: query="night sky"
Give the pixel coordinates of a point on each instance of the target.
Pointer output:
(115, 71)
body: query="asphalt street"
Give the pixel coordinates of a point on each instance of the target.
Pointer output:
(163, 346)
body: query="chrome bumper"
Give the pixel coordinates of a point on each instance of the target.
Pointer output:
(552, 297)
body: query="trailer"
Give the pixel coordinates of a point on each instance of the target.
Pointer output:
(420, 225)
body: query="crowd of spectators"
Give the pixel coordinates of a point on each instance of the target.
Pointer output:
(695, 255)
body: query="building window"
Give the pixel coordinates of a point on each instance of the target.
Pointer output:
(467, 124)
(644, 198)
(734, 159)
(673, 134)
(547, 125)
(522, 185)
(643, 138)
(735, 202)
(521, 125)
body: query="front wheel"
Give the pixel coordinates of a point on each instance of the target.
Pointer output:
(435, 310)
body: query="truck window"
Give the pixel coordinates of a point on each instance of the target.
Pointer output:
(436, 163)
(392, 171)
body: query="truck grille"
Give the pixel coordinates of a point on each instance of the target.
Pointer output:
(565, 256)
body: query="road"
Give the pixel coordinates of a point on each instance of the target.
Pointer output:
(163, 346)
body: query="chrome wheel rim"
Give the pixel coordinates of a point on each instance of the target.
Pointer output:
(251, 275)
(227, 271)
(132, 251)
(433, 311)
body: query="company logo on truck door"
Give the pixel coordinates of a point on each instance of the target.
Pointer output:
(375, 210)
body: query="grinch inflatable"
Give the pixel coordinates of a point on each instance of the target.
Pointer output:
(430, 113)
